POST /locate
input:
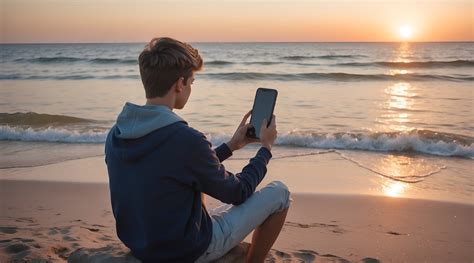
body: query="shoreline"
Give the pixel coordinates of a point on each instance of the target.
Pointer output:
(324, 173)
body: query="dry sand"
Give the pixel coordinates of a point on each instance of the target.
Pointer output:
(52, 220)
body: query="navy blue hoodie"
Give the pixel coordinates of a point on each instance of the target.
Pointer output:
(158, 166)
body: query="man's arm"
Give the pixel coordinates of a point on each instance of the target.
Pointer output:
(223, 152)
(212, 178)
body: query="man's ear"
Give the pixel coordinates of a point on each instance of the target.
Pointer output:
(179, 84)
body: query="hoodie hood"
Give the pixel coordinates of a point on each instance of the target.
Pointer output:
(137, 121)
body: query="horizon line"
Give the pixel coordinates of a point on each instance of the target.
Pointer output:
(238, 42)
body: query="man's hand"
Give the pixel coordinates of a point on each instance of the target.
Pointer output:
(240, 138)
(268, 134)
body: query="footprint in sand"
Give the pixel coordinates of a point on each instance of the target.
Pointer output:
(75, 245)
(303, 256)
(106, 238)
(69, 238)
(31, 242)
(38, 234)
(333, 258)
(282, 254)
(370, 260)
(25, 240)
(62, 252)
(8, 229)
(16, 248)
(91, 229)
(394, 233)
(41, 208)
(332, 227)
(306, 255)
(53, 231)
(25, 220)
(65, 230)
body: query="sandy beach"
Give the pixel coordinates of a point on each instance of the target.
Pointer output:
(50, 220)
(373, 131)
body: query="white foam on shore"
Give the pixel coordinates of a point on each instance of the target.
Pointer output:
(426, 142)
(50, 134)
(374, 142)
(402, 142)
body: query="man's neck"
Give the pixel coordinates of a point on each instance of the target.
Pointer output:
(160, 101)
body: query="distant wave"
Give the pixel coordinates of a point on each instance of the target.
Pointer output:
(336, 76)
(218, 62)
(414, 64)
(385, 64)
(50, 134)
(114, 61)
(225, 63)
(390, 64)
(262, 63)
(328, 57)
(65, 77)
(37, 119)
(49, 60)
(58, 60)
(416, 141)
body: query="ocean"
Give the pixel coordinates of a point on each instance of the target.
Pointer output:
(409, 104)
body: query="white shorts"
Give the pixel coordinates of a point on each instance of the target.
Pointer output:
(231, 224)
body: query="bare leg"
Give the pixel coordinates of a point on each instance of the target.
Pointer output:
(264, 236)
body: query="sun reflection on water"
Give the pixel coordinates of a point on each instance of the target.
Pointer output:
(398, 89)
(404, 52)
(394, 189)
(394, 72)
(401, 96)
(402, 172)
(399, 105)
(399, 168)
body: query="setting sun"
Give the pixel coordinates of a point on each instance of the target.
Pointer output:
(406, 32)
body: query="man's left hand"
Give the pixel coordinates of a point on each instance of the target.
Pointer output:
(240, 138)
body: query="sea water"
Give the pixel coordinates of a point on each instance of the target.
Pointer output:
(375, 104)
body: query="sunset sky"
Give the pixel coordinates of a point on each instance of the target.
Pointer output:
(51, 21)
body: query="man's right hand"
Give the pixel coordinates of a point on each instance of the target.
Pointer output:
(268, 134)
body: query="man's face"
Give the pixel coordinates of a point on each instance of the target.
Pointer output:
(184, 95)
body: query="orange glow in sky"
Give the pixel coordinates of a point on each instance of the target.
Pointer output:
(32, 21)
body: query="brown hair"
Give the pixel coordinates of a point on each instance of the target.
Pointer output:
(163, 61)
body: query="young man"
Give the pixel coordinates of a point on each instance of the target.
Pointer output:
(159, 167)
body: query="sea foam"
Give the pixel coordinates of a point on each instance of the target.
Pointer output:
(415, 141)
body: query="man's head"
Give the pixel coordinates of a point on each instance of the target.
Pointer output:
(166, 63)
